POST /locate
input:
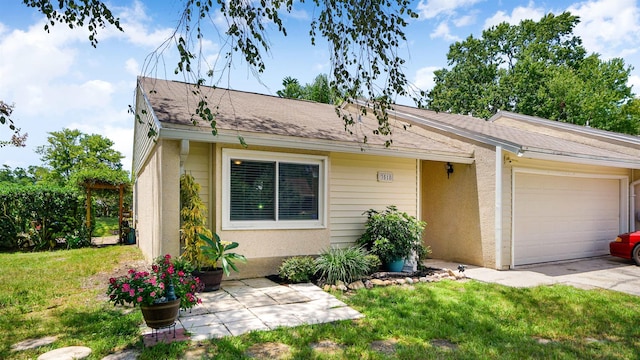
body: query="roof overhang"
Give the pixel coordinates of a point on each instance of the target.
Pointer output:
(291, 142)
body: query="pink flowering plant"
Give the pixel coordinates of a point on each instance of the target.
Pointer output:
(148, 288)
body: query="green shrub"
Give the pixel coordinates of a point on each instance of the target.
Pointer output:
(374, 263)
(346, 265)
(41, 214)
(298, 269)
(393, 235)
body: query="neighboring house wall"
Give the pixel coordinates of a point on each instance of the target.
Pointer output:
(354, 189)
(158, 200)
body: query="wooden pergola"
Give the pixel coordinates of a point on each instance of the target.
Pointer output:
(101, 185)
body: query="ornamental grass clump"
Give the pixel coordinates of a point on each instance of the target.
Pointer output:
(346, 265)
(168, 280)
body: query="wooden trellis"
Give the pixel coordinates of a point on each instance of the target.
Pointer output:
(102, 186)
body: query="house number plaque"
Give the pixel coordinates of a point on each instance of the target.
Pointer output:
(385, 176)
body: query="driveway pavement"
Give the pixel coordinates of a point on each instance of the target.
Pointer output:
(606, 272)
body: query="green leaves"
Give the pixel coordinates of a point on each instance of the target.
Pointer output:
(76, 13)
(536, 68)
(363, 37)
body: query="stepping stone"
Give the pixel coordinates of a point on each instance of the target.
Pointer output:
(131, 354)
(33, 343)
(66, 353)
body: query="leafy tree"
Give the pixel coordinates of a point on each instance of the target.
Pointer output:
(17, 176)
(319, 91)
(292, 89)
(71, 151)
(536, 68)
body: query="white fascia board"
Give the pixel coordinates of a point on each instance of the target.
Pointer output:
(580, 159)
(314, 144)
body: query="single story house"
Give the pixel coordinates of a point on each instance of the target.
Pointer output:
(509, 191)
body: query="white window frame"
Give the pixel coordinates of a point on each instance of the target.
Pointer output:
(228, 224)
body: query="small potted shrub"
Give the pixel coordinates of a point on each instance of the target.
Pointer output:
(215, 260)
(393, 236)
(160, 293)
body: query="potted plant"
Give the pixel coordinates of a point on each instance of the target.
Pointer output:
(160, 293)
(217, 259)
(393, 236)
(208, 256)
(193, 216)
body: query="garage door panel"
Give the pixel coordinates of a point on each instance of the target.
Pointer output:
(563, 217)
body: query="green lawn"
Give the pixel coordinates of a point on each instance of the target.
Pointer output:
(60, 293)
(104, 226)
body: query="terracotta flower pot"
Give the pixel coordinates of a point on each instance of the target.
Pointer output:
(211, 279)
(161, 315)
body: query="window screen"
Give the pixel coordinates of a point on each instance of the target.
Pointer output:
(254, 192)
(298, 191)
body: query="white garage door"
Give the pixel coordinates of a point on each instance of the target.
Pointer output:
(563, 217)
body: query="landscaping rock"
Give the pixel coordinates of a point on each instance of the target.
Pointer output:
(356, 285)
(269, 351)
(378, 282)
(130, 354)
(401, 281)
(408, 280)
(66, 353)
(33, 343)
(386, 347)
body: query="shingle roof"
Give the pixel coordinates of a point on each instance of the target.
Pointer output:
(525, 140)
(254, 115)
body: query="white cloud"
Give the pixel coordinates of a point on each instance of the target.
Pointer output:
(430, 9)
(442, 31)
(634, 81)
(423, 79)
(136, 25)
(465, 20)
(132, 67)
(608, 27)
(517, 15)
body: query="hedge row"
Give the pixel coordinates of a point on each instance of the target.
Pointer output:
(38, 217)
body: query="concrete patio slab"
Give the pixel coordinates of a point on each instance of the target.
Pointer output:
(241, 306)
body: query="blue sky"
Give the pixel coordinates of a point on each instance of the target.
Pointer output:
(58, 80)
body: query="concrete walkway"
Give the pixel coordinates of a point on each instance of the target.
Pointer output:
(606, 272)
(241, 306)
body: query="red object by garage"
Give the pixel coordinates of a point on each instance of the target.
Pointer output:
(627, 246)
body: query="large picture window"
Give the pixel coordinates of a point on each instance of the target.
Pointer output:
(270, 190)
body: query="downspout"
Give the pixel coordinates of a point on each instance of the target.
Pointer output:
(632, 205)
(498, 213)
(184, 153)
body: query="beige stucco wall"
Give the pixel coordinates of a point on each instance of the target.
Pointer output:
(460, 210)
(354, 188)
(157, 199)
